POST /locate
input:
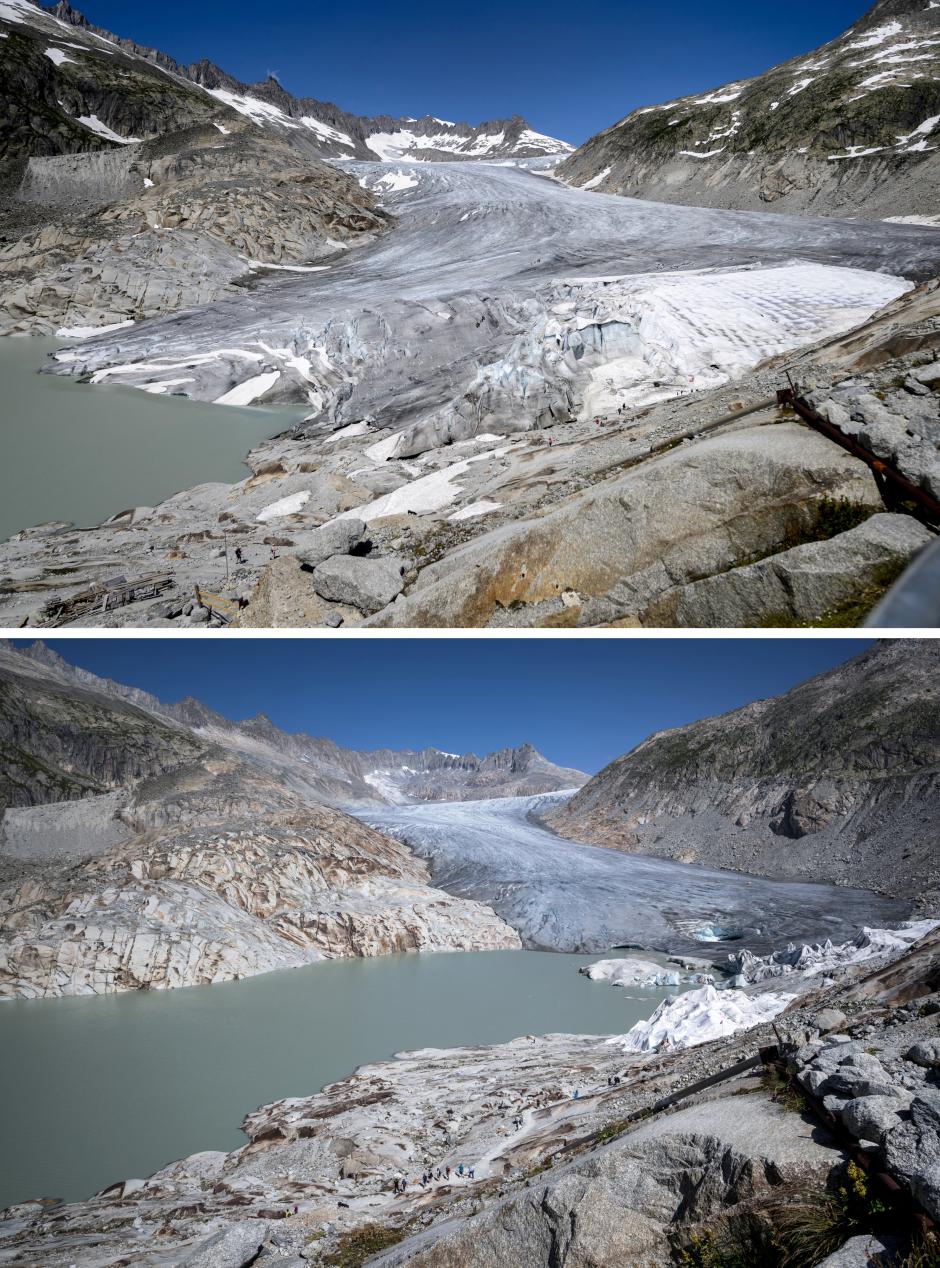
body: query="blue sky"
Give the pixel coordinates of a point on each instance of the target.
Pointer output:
(570, 68)
(581, 702)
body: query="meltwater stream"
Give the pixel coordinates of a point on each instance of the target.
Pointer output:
(563, 896)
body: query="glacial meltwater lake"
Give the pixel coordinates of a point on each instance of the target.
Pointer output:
(100, 1088)
(81, 453)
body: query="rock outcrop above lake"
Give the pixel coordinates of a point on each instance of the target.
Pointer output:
(194, 902)
(847, 129)
(836, 780)
(142, 852)
(174, 222)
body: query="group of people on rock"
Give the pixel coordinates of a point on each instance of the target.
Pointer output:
(438, 1175)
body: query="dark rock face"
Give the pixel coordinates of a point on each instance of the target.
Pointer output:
(842, 130)
(837, 780)
(43, 99)
(59, 743)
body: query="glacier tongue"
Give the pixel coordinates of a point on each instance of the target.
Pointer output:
(826, 957)
(503, 300)
(563, 896)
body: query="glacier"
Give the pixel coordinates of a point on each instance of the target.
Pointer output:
(560, 895)
(502, 299)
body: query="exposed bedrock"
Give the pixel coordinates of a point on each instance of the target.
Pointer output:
(629, 544)
(801, 584)
(185, 907)
(171, 223)
(618, 1205)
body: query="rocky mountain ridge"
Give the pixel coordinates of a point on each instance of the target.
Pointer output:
(836, 780)
(315, 767)
(156, 94)
(852, 128)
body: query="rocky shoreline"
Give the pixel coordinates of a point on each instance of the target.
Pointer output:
(562, 1133)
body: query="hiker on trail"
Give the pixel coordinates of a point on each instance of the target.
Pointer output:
(460, 1169)
(274, 552)
(447, 1171)
(472, 1172)
(240, 558)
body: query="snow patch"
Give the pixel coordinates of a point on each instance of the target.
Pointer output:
(393, 182)
(717, 98)
(254, 265)
(252, 107)
(94, 124)
(347, 433)
(88, 332)
(596, 180)
(327, 133)
(856, 151)
(473, 510)
(290, 505)
(56, 55)
(422, 496)
(930, 222)
(250, 390)
(160, 389)
(877, 36)
(382, 782)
